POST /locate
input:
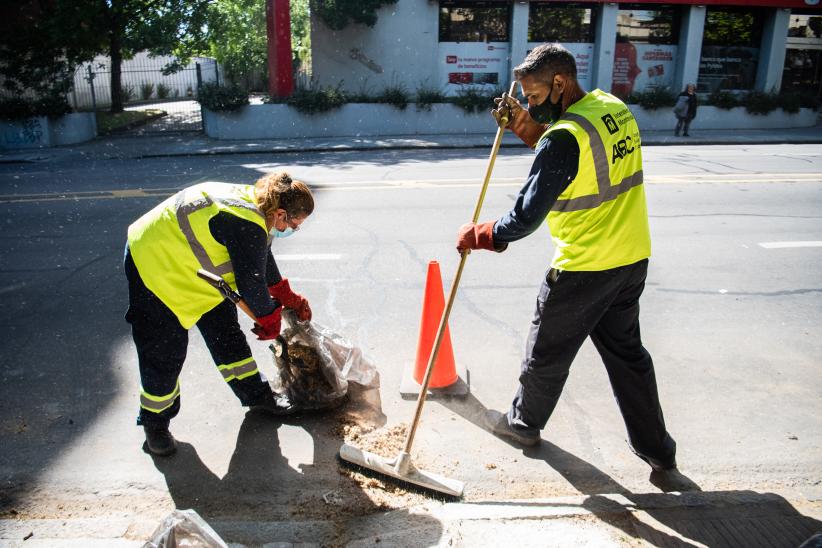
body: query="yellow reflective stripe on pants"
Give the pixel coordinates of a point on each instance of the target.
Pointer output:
(238, 370)
(158, 404)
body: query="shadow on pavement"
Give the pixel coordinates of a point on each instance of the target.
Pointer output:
(262, 498)
(682, 515)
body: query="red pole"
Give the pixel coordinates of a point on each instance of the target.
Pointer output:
(278, 23)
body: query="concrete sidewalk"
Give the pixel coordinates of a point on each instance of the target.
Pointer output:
(196, 144)
(739, 518)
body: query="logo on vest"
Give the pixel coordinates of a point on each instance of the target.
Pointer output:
(622, 148)
(610, 124)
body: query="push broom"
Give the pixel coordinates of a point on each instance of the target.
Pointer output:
(401, 468)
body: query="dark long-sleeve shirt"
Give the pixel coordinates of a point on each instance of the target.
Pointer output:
(254, 266)
(555, 166)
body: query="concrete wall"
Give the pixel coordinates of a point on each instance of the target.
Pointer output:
(400, 49)
(41, 131)
(365, 120)
(717, 118)
(368, 120)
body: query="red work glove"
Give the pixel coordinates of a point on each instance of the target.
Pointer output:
(282, 292)
(268, 327)
(519, 121)
(474, 236)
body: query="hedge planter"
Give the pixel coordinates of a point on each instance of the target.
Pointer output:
(281, 121)
(708, 117)
(42, 131)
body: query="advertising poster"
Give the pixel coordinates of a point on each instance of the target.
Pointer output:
(639, 67)
(583, 54)
(472, 64)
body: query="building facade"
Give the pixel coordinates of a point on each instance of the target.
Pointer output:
(733, 45)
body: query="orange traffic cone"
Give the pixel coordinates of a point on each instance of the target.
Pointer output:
(444, 377)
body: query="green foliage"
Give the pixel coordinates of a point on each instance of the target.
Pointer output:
(723, 28)
(52, 105)
(476, 99)
(723, 99)
(790, 102)
(19, 108)
(760, 103)
(15, 108)
(301, 33)
(394, 94)
(163, 91)
(127, 93)
(808, 99)
(654, 98)
(337, 14)
(428, 95)
(221, 98)
(312, 101)
(146, 90)
(71, 31)
(238, 39)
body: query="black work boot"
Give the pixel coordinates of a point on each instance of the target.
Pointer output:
(274, 404)
(499, 425)
(656, 464)
(159, 441)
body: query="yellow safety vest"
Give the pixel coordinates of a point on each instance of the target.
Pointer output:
(172, 241)
(600, 221)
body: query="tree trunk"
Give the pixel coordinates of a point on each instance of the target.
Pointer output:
(116, 55)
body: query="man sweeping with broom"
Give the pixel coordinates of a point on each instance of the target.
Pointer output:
(586, 180)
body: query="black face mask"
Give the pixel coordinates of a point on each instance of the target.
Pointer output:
(547, 112)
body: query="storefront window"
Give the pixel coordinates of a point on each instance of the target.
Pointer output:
(473, 47)
(646, 48)
(805, 26)
(575, 23)
(803, 55)
(642, 26)
(462, 21)
(730, 49)
(571, 24)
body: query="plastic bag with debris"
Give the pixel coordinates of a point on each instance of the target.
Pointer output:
(316, 364)
(184, 529)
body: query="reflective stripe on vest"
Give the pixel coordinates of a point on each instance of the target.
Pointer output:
(173, 240)
(158, 404)
(600, 220)
(184, 210)
(238, 370)
(601, 163)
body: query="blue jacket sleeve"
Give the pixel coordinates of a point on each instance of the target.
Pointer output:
(555, 166)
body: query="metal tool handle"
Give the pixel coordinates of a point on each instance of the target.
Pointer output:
(226, 291)
(412, 430)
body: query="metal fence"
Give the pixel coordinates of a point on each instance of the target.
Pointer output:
(145, 87)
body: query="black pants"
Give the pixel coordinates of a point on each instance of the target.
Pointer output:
(682, 124)
(605, 306)
(162, 343)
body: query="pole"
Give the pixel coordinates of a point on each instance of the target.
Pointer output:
(278, 26)
(90, 79)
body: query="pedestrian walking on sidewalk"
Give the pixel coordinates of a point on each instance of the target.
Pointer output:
(225, 229)
(685, 110)
(587, 181)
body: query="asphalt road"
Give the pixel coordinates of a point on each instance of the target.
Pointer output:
(731, 315)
